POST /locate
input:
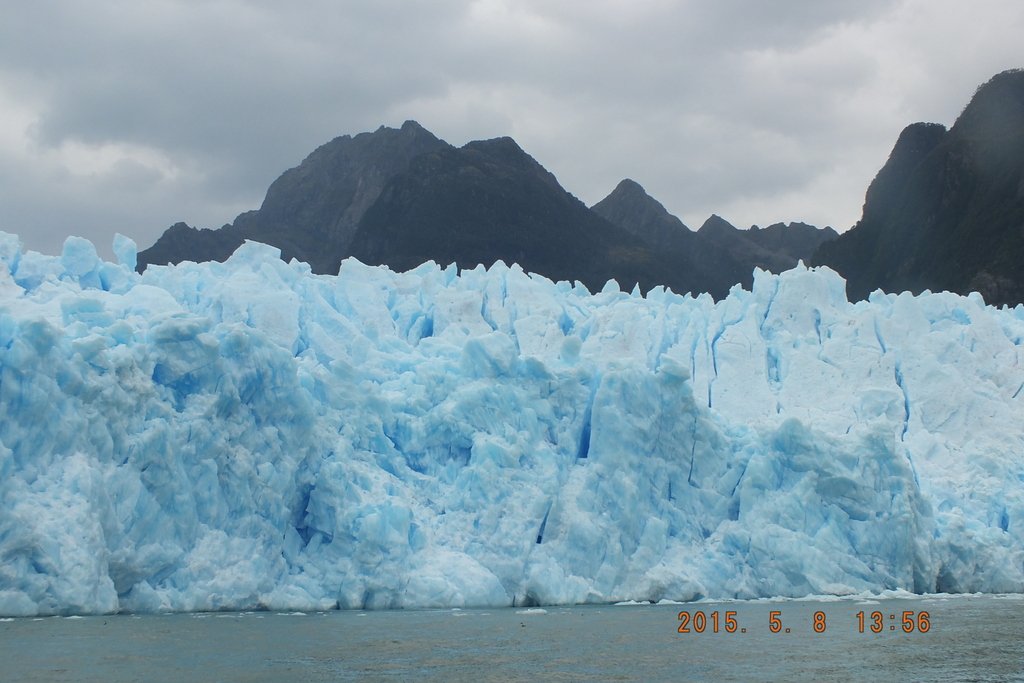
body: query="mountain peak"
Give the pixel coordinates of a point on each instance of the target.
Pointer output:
(631, 208)
(997, 108)
(408, 126)
(715, 224)
(312, 210)
(504, 148)
(945, 211)
(628, 187)
(500, 144)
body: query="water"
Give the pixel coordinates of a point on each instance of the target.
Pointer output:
(971, 638)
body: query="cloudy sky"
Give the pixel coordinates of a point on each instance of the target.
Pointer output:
(130, 115)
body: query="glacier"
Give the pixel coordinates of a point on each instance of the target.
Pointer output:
(246, 435)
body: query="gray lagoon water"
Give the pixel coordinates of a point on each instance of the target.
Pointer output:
(969, 638)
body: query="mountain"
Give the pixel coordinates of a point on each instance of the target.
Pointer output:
(790, 242)
(776, 248)
(631, 208)
(181, 242)
(312, 211)
(490, 200)
(401, 197)
(946, 211)
(719, 255)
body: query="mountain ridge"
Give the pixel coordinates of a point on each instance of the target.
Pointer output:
(490, 200)
(312, 210)
(719, 254)
(946, 211)
(402, 196)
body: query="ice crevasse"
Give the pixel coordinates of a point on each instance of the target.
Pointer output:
(247, 434)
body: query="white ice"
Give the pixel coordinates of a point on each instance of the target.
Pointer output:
(250, 435)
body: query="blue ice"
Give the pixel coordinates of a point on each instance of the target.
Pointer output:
(248, 434)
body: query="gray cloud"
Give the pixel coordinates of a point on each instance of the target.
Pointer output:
(127, 117)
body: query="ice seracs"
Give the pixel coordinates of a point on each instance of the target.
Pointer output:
(246, 434)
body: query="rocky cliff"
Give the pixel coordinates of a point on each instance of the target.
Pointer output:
(946, 212)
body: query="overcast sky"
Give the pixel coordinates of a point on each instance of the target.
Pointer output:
(130, 115)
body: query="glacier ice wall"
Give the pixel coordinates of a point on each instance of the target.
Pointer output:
(249, 434)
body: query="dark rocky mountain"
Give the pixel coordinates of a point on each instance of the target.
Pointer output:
(946, 212)
(181, 242)
(631, 208)
(402, 197)
(790, 242)
(312, 211)
(719, 255)
(776, 248)
(490, 200)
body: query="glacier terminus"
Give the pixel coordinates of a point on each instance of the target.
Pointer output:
(247, 435)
